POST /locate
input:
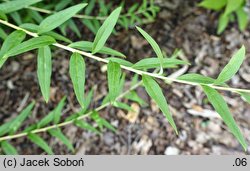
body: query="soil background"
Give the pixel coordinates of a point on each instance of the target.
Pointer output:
(180, 24)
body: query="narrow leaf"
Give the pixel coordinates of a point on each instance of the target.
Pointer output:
(233, 5)
(58, 110)
(77, 75)
(36, 139)
(153, 44)
(59, 135)
(114, 76)
(221, 107)
(243, 18)
(102, 122)
(84, 125)
(196, 78)
(120, 61)
(88, 46)
(15, 5)
(8, 149)
(44, 71)
(105, 30)
(232, 67)
(213, 4)
(30, 44)
(149, 63)
(59, 18)
(155, 92)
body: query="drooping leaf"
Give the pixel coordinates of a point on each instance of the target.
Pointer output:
(8, 149)
(114, 76)
(196, 78)
(213, 4)
(153, 44)
(221, 107)
(10, 42)
(105, 30)
(88, 46)
(77, 75)
(223, 23)
(102, 122)
(243, 18)
(84, 125)
(15, 5)
(36, 139)
(59, 18)
(149, 63)
(44, 71)
(155, 92)
(59, 135)
(30, 44)
(233, 5)
(232, 67)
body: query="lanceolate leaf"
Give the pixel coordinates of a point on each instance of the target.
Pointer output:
(155, 92)
(59, 18)
(88, 46)
(120, 61)
(221, 107)
(44, 71)
(243, 18)
(154, 45)
(10, 42)
(114, 76)
(58, 110)
(149, 63)
(59, 135)
(31, 44)
(15, 5)
(213, 4)
(233, 5)
(196, 78)
(77, 75)
(8, 149)
(84, 125)
(232, 67)
(102, 122)
(36, 139)
(105, 30)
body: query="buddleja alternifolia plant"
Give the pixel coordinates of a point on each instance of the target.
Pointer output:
(41, 38)
(232, 8)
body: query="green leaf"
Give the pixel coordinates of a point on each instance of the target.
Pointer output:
(114, 76)
(153, 44)
(14, 39)
(77, 75)
(58, 110)
(223, 23)
(233, 5)
(88, 100)
(30, 44)
(149, 63)
(105, 30)
(120, 61)
(243, 18)
(196, 78)
(213, 4)
(221, 107)
(57, 36)
(155, 92)
(102, 122)
(54, 115)
(232, 67)
(134, 97)
(245, 96)
(36, 139)
(123, 106)
(15, 5)
(3, 35)
(88, 46)
(8, 149)
(44, 71)
(59, 135)
(16, 123)
(84, 125)
(59, 18)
